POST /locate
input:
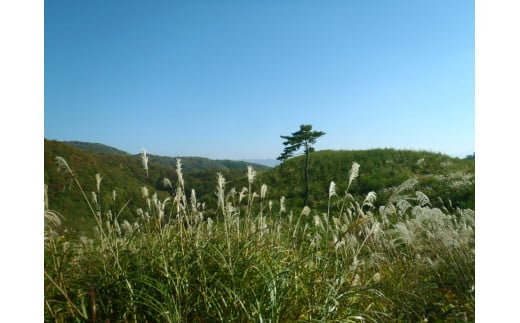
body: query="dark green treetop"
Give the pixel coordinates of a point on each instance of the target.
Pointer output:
(304, 137)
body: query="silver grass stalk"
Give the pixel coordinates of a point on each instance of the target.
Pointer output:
(231, 195)
(114, 194)
(52, 218)
(407, 185)
(63, 165)
(242, 194)
(179, 173)
(353, 173)
(167, 183)
(144, 160)
(282, 204)
(193, 200)
(221, 182)
(117, 227)
(127, 227)
(45, 197)
(144, 190)
(251, 174)
(332, 189)
(263, 191)
(332, 192)
(422, 199)
(317, 221)
(370, 199)
(99, 178)
(94, 197)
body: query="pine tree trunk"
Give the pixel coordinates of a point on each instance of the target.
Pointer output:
(307, 153)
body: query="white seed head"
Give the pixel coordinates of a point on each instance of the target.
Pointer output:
(263, 191)
(99, 178)
(144, 190)
(179, 172)
(353, 173)
(221, 182)
(242, 194)
(251, 174)
(94, 197)
(370, 199)
(332, 189)
(317, 221)
(282, 204)
(167, 182)
(127, 227)
(63, 165)
(144, 160)
(193, 199)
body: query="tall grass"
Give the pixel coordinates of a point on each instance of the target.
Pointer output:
(181, 263)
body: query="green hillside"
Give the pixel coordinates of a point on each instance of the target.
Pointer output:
(190, 164)
(125, 175)
(439, 176)
(448, 182)
(96, 147)
(193, 164)
(237, 255)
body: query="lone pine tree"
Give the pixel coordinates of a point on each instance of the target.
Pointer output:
(305, 138)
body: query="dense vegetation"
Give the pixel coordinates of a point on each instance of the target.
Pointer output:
(371, 247)
(191, 164)
(124, 175)
(96, 147)
(449, 182)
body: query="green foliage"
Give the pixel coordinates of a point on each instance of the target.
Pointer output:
(96, 147)
(449, 182)
(193, 164)
(175, 262)
(124, 174)
(304, 137)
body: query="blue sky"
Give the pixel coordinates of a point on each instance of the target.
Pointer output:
(224, 79)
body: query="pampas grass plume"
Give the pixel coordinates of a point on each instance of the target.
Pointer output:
(144, 160)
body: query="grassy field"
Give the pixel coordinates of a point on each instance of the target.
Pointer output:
(253, 258)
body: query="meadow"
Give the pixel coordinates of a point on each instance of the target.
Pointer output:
(254, 255)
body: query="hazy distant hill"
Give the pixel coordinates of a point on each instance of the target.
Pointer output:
(266, 162)
(189, 163)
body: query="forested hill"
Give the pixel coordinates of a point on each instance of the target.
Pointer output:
(448, 182)
(96, 147)
(189, 163)
(124, 174)
(441, 177)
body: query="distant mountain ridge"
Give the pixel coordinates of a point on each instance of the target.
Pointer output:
(266, 162)
(96, 147)
(188, 163)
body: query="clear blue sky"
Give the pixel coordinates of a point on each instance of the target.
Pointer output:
(224, 79)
